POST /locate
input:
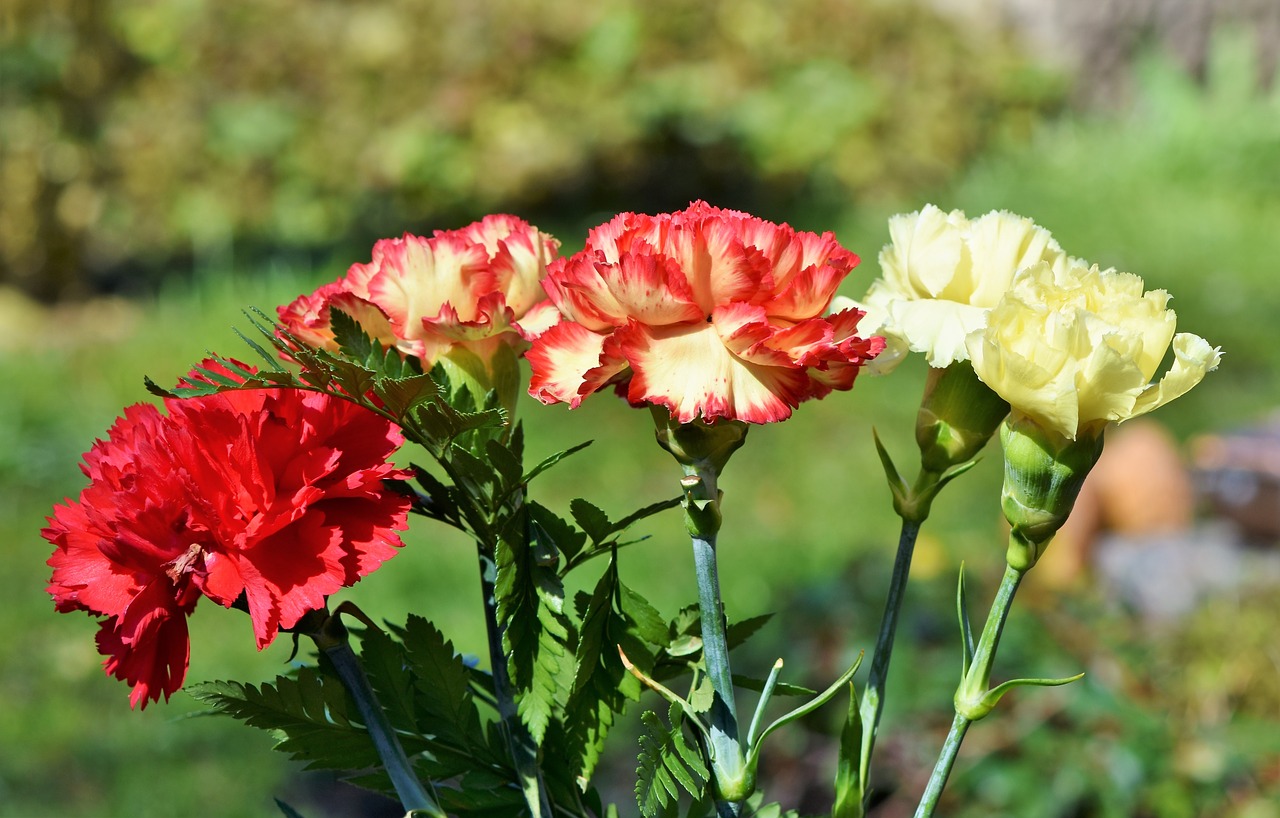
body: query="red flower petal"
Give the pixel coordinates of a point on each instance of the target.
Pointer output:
(276, 495)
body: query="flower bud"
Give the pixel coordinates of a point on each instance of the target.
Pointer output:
(1043, 473)
(958, 415)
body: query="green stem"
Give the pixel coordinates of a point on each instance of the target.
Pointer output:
(702, 516)
(872, 705)
(413, 797)
(971, 700)
(942, 770)
(974, 686)
(524, 754)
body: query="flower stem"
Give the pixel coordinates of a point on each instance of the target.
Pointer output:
(702, 517)
(520, 745)
(413, 797)
(942, 770)
(973, 699)
(872, 705)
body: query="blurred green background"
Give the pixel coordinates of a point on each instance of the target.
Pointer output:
(164, 164)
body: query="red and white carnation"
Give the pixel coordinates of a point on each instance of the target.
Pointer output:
(471, 289)
(710, 313)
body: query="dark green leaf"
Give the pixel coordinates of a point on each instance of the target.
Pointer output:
(308, 713)
(567, 539)
(667, 764)
(387, 667)
(649, 624)
(506, 463)
(530, 601)
(552, 460)
(591, 520)
(399, 395)
(444, 684)
(739, 632)
(289, 812)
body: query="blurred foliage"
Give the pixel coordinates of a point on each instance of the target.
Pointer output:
(136, 136)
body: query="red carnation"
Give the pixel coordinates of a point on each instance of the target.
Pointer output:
(273, 496)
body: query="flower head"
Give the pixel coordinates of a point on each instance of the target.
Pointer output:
(1077, 348)
(942, 272)
(709, 313)
(273, 499)
(461, 292)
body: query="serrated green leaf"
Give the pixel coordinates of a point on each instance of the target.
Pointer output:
(308, 715)
(530, 611)
(436, 500)
(444, 683)
(567, 539)
(473, 474)
(593, 631)
(389, 673)
(649, 624)
(399, 395)
(506, 463)
(594, 522)
(667, 764)
(738, 632)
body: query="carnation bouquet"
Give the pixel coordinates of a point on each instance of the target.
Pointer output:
(388, 396)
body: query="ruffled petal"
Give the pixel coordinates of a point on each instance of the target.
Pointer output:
(935, 327)
(688, 370)
(562, 358)
(1193, 358)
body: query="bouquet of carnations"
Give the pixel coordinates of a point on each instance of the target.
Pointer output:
(269, 487)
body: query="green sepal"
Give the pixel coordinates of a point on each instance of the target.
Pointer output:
(974, 710)
(913, 503)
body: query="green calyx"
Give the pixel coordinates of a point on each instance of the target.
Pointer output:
(1043, 473)
(698, 444)
(702, 449)
(958, 415)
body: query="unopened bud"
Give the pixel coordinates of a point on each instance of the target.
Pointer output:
(958, 415)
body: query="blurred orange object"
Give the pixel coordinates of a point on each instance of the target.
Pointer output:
(1140, 487)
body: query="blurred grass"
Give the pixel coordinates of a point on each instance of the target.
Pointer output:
(1180, 190)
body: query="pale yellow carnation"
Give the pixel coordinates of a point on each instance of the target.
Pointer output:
(1077, 348)
(942, 272)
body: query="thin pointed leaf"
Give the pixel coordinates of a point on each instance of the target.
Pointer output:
(849, 795)
(553, 459)
(993, 696)
(805, 709)
(966, 630)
